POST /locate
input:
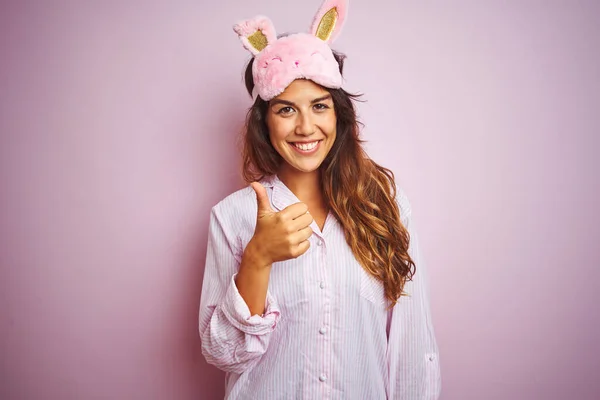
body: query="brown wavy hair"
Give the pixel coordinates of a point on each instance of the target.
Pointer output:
(360, 192)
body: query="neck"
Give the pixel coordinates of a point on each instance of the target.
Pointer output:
(305, 185)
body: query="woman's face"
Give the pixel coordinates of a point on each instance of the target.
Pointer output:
(302, 125)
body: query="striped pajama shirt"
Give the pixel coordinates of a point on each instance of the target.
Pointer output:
(326, 332)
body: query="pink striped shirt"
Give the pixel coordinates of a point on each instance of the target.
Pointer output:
(326, 333)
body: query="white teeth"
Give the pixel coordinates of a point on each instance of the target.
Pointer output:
(306, 146)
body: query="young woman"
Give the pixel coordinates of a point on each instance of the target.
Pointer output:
(314, 287)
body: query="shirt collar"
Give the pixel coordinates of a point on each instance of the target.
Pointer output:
(282, 196)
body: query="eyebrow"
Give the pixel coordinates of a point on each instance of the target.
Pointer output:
(291, 103)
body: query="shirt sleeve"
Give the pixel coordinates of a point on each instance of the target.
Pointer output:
(413, 354)
(232, 339)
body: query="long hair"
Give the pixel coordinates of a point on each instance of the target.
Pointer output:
(360, 193)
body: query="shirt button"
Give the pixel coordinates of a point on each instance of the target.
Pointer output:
(322, 377)
(431, 357)
(320, 243)
(323, 330)
(322, 285)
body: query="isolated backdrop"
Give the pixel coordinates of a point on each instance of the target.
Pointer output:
(119, 124)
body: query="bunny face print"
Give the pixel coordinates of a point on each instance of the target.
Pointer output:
(294, 57)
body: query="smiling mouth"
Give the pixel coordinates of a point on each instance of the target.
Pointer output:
(306, 146)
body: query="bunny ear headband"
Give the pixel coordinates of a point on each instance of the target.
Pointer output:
(278, 62)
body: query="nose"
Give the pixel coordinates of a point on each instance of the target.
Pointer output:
(305, 125)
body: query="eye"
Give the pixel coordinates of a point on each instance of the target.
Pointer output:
(285, 110)
(321, 106)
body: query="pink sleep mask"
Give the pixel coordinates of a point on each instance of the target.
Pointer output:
(278, 62)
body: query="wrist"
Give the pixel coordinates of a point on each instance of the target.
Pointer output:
(254, 257)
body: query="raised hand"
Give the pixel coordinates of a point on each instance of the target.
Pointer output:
(282, 235)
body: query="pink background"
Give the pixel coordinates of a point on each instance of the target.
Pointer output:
(119, 124)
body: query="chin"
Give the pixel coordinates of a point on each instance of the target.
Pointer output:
(306, 168)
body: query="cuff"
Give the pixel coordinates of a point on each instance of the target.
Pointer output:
(237, 312)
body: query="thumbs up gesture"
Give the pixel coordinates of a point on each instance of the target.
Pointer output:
(282, 235)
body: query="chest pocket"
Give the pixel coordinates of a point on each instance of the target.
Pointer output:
(356, 279)
(371, 289)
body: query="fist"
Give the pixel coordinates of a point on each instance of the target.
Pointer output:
(282, 235)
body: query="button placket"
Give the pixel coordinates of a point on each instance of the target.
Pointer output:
(324, 340)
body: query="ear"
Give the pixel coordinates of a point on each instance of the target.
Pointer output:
(329, 20)
(256, 33)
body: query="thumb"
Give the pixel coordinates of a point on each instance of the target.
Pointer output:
(261, 198)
